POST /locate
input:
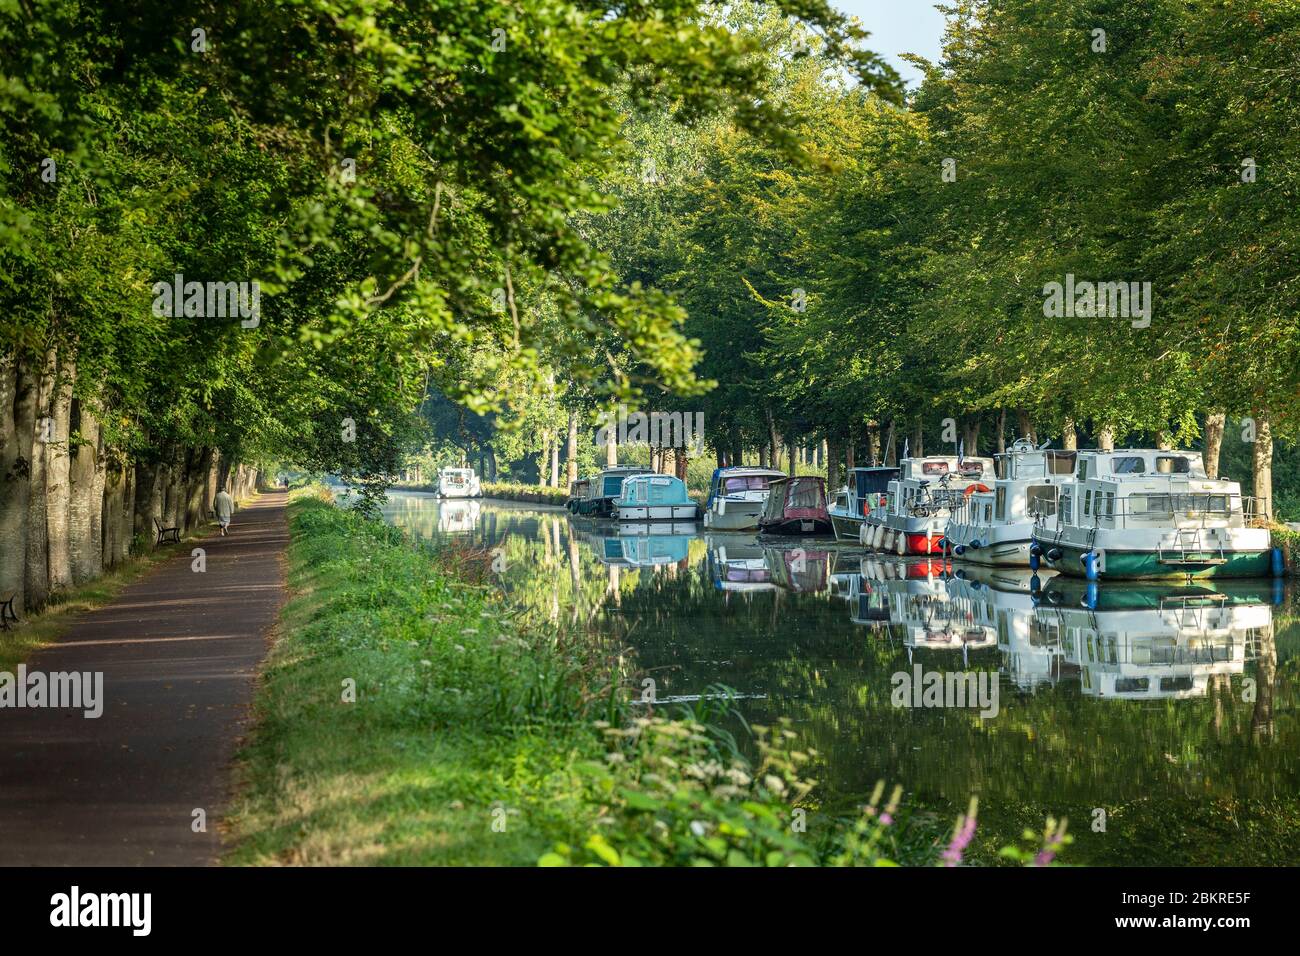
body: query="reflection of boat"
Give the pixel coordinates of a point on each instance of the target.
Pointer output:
(918, 600)
(1064, 591)
(1005, 600)
(739, 567)
(458, 516)
(869, 601)
(654, 498)
(995, 526)
(867, 488)
(919, 501)
(794, 569)
(1150, 513)
(603, 489)
(1169, 643)
(643, 551)
(795, 506)
(736, 497)
(458, 483)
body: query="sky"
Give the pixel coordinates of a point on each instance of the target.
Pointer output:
(899, 26)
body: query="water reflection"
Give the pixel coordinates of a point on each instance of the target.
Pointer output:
(1171, 708)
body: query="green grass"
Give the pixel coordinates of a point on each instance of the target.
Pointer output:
(461, 744)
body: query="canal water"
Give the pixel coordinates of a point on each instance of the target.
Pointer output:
(1161, 720)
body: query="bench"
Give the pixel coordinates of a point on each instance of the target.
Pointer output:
(166, 534)
(7, 613)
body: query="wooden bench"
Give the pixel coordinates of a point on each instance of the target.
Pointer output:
(7, 613)
(166, 534)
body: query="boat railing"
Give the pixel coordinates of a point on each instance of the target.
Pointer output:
(1178, 508)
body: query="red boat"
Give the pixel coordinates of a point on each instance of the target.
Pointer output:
(795, 506)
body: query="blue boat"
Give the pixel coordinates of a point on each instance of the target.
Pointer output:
(655, 498)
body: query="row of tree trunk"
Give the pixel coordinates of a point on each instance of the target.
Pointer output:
(71, 504)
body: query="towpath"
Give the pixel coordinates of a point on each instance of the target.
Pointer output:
(179, 651)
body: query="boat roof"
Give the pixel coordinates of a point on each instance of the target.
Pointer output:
(876, 468)
(748, 470)
(625, 470)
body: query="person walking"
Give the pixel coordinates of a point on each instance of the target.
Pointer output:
(224, 506)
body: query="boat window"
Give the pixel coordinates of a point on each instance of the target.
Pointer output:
(1041, 499)
(1127, 465)
(1110, 504)
(1067, 507)
(733, 486)
(613, 486)
(1084, 467)
(1061, 462)
(1087, 502)
(934, 468)
(1002, 503)
(1171, 684)
(969, 467)
(1173, 465)
(1131, 685)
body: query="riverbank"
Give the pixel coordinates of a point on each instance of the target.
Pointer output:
(405, 717)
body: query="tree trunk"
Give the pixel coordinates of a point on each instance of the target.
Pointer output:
(1002, 431)
(773, 439)
(38, 540)
(58, 481)
(1264, 464)
(891, 453)
(790, 454)
(971, 437)
(832, 464)
(1214, 424)
(873, 445)
(1025, 425)
(17, 420)
(918, 438)
(1069, 434)
(1162, 440)
(611, 444)
(1106, 437)
(681, 458)
(571, 450)
(86, 500)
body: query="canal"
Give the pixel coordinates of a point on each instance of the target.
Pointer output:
(1161, 720)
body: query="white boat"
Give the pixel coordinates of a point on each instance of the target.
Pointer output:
(736, 497)
(996, 526)
(1153, 513)
(919, 501)
(458, 483)
(867, 489)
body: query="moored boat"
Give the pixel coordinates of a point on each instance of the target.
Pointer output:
(736, 497)
(577, 492)
(919, 502)
(1153, 513)
(603, 489)
(867, 489)
(994, 526)
(652, 497)
(458, 483)
(795, 506)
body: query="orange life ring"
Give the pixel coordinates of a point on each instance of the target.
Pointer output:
(978, 486)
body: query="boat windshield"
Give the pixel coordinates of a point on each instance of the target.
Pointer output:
(733, 486)
(613, 486)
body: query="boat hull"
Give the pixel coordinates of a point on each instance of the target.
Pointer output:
(1135, 565)
(796, 526)
(734, 516)
(657, 512)
(847, 527)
